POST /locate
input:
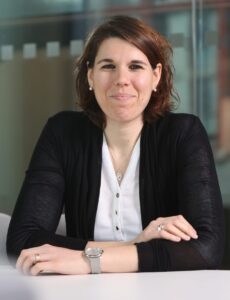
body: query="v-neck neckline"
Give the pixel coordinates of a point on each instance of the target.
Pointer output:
(134, 158)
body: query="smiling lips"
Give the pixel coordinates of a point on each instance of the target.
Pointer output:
(121, 96)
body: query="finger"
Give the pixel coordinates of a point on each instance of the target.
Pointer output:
(33, 259)
(186, 227)
(25, 255)
(171, 228)
(169, 236)
(27, 264)
(19, 262)
(31, 252)
(30, 261)
(41, 267)
(45, 259)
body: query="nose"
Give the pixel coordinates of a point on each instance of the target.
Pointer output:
(121, 77)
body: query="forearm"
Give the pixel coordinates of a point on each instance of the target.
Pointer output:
(96, 244)
(40, 238)
(119, 259)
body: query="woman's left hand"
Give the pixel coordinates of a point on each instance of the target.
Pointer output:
(51, 259)
(173, 228)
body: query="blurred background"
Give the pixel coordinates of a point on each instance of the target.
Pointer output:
(39, 43)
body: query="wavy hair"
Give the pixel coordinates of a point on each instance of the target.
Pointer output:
(156, 48)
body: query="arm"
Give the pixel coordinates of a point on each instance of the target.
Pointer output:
(194, 188)
(40, 202)
(117, 256)
(53, 259)
(152, 253)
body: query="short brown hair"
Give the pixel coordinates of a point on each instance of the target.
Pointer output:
(150, 42)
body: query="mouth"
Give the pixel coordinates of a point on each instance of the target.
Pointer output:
(121, 96)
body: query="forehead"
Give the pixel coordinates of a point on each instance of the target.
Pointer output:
(115, 48)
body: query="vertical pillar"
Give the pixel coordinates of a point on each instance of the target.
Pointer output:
(224, 83)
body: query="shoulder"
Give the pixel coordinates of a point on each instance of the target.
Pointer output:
(175, 128)
(69, 118)
(183, 130)
(180, 123)
(183, 120)
(71, 125)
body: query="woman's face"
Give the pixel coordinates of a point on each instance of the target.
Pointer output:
(122, 80)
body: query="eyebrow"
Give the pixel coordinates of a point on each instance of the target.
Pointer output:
(109, 60)
(104, 60)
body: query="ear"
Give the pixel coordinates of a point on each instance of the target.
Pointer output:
(90, 77)
(157, 75)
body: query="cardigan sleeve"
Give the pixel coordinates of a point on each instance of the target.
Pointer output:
(199, 201)
(40, 202)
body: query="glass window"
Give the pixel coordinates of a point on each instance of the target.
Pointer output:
(40, 40)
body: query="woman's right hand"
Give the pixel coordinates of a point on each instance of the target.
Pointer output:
(174, 228)
(52, 259)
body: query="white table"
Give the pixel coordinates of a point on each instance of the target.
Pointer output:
(189, 285)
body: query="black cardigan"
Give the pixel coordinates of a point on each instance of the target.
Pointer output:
(177, 176)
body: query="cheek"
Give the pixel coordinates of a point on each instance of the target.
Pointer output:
(145, 84)
(102, 82)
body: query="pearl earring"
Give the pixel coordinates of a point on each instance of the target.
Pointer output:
(155, 89)
(90, 88)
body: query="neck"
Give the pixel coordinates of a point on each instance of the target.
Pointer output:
(122, 137)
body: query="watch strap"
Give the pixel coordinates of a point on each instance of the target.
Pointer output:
(95, 265)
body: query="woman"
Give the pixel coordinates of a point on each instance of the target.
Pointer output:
(138, 182)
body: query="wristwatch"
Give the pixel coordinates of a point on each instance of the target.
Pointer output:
(93, 255)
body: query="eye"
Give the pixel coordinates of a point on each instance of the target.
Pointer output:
(135, 67)
(108, 67)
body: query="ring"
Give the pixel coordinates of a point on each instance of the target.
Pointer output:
(160, 227)
(36, 258)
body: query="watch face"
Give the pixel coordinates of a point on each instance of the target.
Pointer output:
(93, 252)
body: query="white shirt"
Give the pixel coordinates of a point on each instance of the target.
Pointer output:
(118, 216)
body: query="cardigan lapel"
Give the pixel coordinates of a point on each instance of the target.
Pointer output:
(149, 195)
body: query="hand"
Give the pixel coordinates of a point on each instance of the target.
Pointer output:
(51, 259)
(175, 228)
